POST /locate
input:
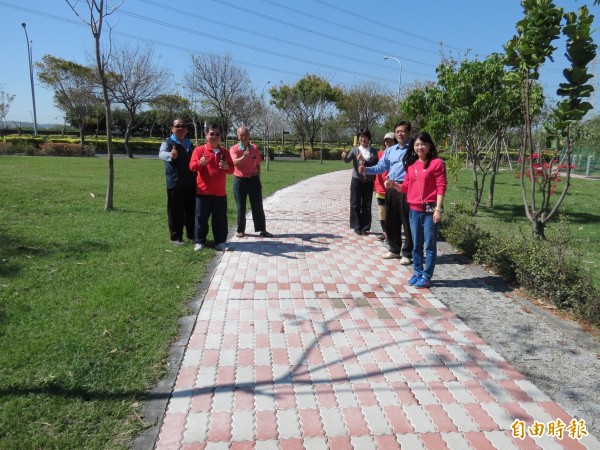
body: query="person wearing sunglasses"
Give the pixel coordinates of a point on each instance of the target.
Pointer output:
(211, 162)
(176, 152)
(246, 184)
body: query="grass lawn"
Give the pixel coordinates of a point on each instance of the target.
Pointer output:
(89, 299)
(581, 206)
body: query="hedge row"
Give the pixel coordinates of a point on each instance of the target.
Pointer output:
(545, 268)
(151, 145)
(46, 149)
(25, 142)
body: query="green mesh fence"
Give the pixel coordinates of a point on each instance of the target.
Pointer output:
(586, 161)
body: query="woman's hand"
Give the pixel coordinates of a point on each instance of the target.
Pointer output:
(392, 184)
(437, 215)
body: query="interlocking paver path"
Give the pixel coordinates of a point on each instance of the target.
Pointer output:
(311, 340)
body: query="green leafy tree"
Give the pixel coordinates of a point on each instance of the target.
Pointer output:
(470, 104)
(365, 104)
(525, 54)
(166, 108)
(75, 89)
(306, 104)
(5, 101)
(418, 102)
(580, 52)
(587, 133)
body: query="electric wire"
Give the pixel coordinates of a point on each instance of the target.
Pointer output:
(277, 39)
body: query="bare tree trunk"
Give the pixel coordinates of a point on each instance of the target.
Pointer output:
(472, 155)
(109, 204)
(128, 132)
(151, 128)
(495, 163)
(195, 123)
(18, 127)
(303, 153)
(97, 13)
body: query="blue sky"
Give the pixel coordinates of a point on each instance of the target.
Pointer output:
(276, 41)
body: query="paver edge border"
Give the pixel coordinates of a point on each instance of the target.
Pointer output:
(155, 406)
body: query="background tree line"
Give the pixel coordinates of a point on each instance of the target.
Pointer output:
(477, 107)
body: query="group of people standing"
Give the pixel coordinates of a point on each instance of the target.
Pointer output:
(196, 193)
(409, 181)
(407, 176)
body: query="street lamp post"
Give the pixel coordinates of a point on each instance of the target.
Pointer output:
(24, 25)
(400, 78)
(266, 128)
(30, 58)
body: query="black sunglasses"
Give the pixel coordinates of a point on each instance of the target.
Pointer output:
(179, 126)
(214, 134)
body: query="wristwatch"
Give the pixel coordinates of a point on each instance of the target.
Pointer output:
(439, 209)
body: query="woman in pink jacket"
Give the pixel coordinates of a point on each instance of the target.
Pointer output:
(425, 186)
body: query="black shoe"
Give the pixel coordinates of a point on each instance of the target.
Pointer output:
(266, 234)
(381, 237)
(358, 232)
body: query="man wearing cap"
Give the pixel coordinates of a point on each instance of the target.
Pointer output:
(380, 190)
(396, 207)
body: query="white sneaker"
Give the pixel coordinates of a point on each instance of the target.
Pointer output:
(198, 247)
(405, 261)
(222, 247)
(390, 255)
(178, 243)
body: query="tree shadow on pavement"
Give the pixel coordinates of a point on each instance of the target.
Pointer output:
(276, 247)
(489, 283)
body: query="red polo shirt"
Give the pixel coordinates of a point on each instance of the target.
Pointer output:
(249, 166)
(210, 179)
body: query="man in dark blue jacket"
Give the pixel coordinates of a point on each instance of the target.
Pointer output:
(176, 152)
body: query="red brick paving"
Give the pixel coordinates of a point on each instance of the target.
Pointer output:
(311, 340)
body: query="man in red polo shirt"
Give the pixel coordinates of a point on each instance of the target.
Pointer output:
(212, 162)
(246, 160)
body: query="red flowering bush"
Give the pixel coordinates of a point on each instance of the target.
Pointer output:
(545, 170)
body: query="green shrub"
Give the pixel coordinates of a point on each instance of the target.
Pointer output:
(546, 268)
(6, 148)
(63, 149)
(462, 231)
(17, 148)
(454, 163)
(63, 140)
(136, 145)
(332, 153)
(497, 253)
(24, 140)
(551, 270)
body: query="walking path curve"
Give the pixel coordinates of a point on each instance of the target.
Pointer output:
(312, 340)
